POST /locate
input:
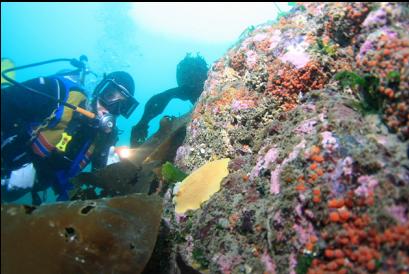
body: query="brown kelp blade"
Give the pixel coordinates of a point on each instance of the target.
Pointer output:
(115, 235)
(163, 144)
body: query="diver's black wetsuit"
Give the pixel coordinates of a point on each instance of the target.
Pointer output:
(21, 108)
(157, 104)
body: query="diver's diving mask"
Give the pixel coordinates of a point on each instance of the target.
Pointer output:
(116, 98)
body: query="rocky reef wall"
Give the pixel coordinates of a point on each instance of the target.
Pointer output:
(313, 113)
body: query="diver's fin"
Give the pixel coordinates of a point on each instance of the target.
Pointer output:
(7, 64)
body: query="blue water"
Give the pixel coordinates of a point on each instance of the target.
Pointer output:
(32, 32)
(106, 33)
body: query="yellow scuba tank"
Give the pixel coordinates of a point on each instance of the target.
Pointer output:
(7, 64)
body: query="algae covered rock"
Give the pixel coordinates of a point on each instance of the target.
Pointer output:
(312, 111)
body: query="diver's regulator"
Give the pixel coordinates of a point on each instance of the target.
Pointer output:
(106, 122)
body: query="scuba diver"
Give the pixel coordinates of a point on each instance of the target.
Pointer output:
(50, 124)
(191, 73)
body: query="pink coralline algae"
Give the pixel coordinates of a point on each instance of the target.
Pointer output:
(293, 263)
(371, 43)
(275, 181)
(303, 234)
(251, 58)
(367, 186)
(378, 17)
(304, 229)
(264, 162)
(216, 110)
(181, 153)
(398, 212)
(342, 172)
(329, 143)
(269, 265)
(347, 166)
(180, 217)
(296, 55)
(306, 127)
(275, 39)
(226, 263)
(190, 246)
(277, 218)
(275, 174)
(260, 37)
(238, 105)
(390, 33)
(366, 46)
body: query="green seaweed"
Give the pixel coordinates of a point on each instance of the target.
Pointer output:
(198, 256)
(348, 78)
(393, 78)
(328, 49)
(281, 14)
(178, 238)
(369, 91)
(189, 224)
(303, 263)
(219, 226)
(172, 174)
(378, 264)
(302, 8)
(371, 101)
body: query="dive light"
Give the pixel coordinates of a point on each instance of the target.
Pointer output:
(117, 154)
(123, 152)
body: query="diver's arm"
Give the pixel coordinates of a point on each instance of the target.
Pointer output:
(100, 156)
(153, 108)
(158, 103)
(99, 161)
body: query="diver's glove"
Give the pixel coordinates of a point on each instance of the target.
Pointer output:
(139, 133)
